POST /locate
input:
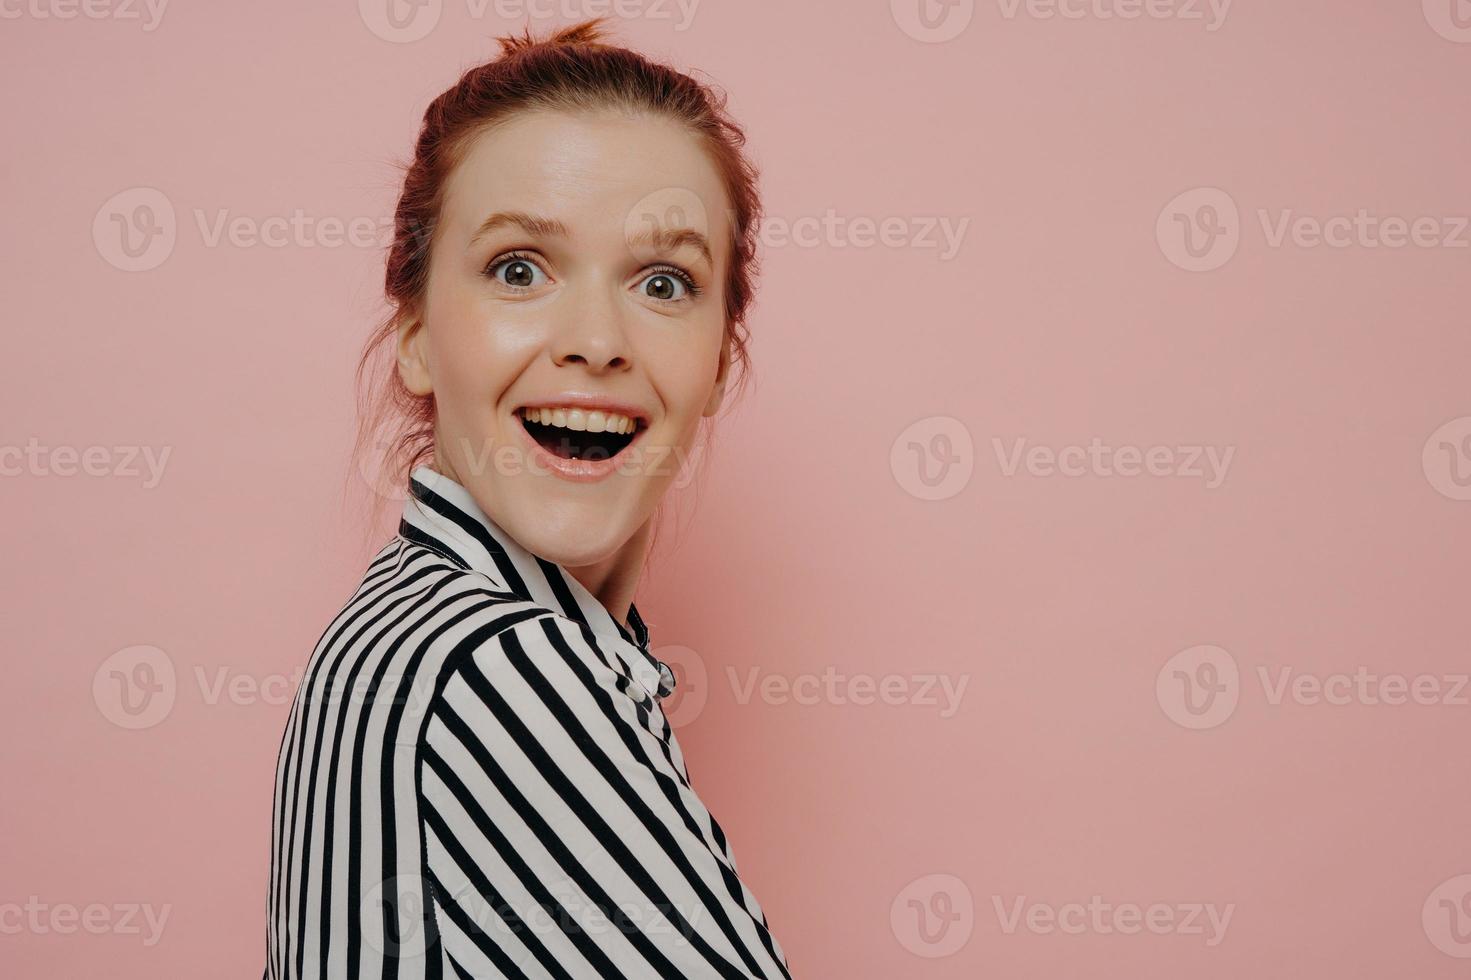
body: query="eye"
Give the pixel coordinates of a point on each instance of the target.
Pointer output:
(669, 285)
(516, 271)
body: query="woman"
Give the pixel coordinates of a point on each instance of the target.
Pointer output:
(477, 778)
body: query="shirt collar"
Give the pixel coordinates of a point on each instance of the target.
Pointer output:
(441, 515)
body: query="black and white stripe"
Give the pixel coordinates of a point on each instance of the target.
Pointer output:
(477, 780)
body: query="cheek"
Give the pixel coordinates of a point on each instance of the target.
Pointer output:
(473, 357)
(684, 370)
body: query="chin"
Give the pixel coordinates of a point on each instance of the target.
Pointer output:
(571, 533)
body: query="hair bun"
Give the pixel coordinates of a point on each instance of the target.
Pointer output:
(587, 32)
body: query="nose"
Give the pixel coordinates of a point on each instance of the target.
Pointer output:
(591, 331)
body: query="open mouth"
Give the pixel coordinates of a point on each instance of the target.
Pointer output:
(579, 434)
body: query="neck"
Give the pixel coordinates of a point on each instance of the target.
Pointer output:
(613, 580)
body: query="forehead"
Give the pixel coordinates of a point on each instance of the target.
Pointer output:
(602, 174)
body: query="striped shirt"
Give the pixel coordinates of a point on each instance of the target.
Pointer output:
(477, 780)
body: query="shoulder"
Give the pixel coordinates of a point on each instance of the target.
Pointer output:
(414, 619)
(525, 640)
(484, 639)
(410, 588)
(536, 663)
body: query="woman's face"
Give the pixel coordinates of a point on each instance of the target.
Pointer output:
(573, 329)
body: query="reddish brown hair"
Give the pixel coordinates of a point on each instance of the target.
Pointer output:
(573, 71)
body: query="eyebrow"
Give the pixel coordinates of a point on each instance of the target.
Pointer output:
(669, 239)
(530, 223)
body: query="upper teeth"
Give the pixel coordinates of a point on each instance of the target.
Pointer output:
(583, 421)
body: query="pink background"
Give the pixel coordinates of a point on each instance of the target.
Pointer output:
(1337, 541)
